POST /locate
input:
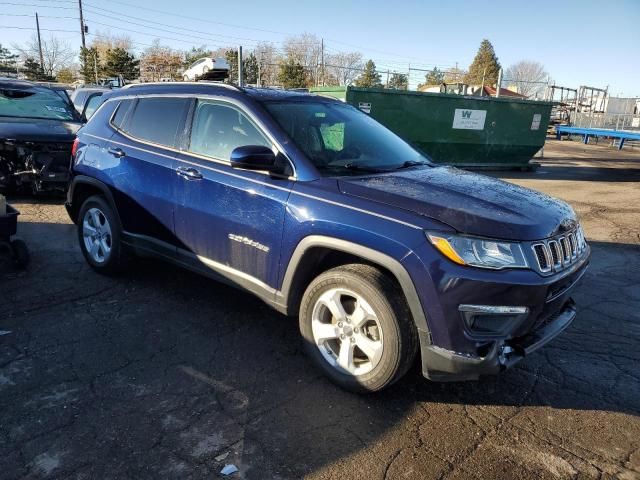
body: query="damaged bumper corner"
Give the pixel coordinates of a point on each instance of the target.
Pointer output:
(439, 364)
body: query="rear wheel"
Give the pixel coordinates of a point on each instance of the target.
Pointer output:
(100, 236)
(357, 327)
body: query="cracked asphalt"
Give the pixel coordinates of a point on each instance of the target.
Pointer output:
(160, 373)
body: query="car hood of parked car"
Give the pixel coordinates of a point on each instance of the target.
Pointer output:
(37, 130)
(473, 204)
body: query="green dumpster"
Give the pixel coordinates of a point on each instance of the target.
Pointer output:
(466, 131)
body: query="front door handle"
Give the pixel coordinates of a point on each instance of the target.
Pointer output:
(189, 173)
(116, 152)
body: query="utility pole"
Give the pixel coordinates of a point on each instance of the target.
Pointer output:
(240, 66)
(322, 56)
(39, 43)
(259, 68)
(95, 66)
(81, 23)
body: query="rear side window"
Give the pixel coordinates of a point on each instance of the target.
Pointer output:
(118, 119)
(157, 120)
(218, 129)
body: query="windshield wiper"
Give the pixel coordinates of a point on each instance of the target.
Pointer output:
(352, 167)
(413, 163)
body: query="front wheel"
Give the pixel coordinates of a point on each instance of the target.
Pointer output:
(357, 328)
(100, 236)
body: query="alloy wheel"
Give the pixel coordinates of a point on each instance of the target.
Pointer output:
(96, 233)
(347, 331)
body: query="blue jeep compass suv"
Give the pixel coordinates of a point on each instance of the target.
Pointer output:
(324, 213)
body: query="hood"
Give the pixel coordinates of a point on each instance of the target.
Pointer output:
(37, 130)
(471, 203)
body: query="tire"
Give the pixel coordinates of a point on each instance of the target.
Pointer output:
(382, 337)
(109, 256)
(20, 253)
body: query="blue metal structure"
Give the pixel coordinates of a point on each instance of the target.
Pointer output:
(598, 132)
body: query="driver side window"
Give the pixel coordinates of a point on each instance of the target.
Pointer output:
(218, 129)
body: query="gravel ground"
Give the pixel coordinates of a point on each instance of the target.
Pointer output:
(163, 374)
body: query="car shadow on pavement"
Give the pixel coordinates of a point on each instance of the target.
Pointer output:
(597, 170)
(161, 373)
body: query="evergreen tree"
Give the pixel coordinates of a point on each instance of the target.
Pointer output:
(398, 81)
(33, 71)
(250, 68)
(370, 78)
(292, 74)
(120, 62)
(7, 61)
(434, 77)
(231, 56)
(485, 64)
(89, 63)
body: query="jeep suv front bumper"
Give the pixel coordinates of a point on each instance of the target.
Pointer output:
(440, 364)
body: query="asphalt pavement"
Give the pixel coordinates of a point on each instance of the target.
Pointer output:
(160, 373)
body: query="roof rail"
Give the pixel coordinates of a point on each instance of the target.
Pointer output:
(209, 82)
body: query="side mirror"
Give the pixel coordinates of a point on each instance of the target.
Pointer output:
(254, 157)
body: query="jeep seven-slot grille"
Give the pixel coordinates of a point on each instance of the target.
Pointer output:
(558, 253)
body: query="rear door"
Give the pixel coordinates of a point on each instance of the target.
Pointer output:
(229, 220)
(146, 185)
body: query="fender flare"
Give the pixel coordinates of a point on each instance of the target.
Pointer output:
(374, 256)
(85, 180)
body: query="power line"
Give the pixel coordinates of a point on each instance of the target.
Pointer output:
(32, 28)
(33, 16)
(37, 5)
(181, 30)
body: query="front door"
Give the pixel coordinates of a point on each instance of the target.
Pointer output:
(229, 220)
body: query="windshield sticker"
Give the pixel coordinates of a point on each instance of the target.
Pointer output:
(535, 124)
(365, 107)
(465, 119)
(56, 109)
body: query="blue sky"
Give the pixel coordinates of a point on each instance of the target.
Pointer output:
(579, 42)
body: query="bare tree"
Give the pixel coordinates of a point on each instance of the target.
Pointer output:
(305, 49)
(159, 62)
(269, 61)
(344, 67)
(105, 41)
(530, 78)
(56, 54)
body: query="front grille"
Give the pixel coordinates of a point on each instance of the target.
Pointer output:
(560, 252)
(541, 256)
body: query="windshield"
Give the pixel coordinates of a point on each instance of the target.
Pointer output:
(34, 103)
(341, 140)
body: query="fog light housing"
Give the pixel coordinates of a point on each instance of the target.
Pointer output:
(492, 321)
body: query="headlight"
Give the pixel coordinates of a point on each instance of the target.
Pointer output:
(479, 252)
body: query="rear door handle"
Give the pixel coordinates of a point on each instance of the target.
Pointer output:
(116, 152)
(189, 173)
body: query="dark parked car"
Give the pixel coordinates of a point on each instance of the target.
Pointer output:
(324, 213)
(37, 129)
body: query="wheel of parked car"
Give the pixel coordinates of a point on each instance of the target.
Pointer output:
(357, 327)
(100, 236)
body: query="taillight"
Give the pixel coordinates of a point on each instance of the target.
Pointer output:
(74, 147)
